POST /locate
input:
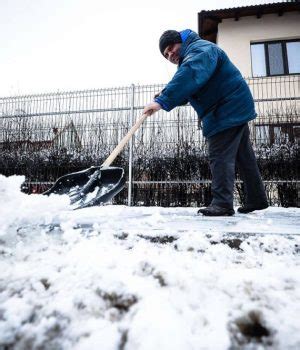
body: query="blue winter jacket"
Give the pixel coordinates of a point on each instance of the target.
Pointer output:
(212, 84)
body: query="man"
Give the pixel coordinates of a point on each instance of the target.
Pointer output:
(215, 88)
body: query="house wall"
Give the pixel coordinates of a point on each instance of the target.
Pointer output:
(235, 36)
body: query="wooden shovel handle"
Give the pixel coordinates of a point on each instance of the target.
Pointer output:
(124, 141)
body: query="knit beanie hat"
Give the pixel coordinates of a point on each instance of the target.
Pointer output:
(169, 37)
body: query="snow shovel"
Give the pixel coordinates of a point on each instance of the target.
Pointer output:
(98, 184)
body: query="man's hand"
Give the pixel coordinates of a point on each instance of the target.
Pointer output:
(151, 108)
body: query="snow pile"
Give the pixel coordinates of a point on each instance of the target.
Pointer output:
(115, 277)
(18, 209)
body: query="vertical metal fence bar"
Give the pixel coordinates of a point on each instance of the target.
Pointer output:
(130, 179)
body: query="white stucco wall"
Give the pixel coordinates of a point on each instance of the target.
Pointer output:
(235, 36)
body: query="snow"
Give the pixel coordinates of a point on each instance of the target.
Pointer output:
(116, 277)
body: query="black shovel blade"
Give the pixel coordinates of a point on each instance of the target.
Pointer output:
(90, 187)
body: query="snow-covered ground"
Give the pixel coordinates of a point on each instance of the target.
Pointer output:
(115, 277)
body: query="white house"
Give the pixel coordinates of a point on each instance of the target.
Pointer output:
(262, 40)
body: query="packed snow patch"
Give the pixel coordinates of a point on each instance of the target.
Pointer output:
(115, 277)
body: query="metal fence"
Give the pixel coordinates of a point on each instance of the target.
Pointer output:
(45, 136)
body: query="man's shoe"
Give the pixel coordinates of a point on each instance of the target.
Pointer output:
(215, 210)
(249, 208)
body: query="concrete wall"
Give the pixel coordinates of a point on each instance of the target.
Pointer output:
(235, 36)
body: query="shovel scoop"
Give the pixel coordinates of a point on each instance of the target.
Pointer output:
(90, 187)
(98, 184)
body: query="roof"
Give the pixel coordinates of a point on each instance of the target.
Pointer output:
(47, 135)
(208, 20)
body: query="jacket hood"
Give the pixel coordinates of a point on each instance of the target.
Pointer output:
(192, 37)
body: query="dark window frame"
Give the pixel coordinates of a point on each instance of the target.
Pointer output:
(287, 128)
(284, 56)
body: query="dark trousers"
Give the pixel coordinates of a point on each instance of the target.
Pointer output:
(226, 150)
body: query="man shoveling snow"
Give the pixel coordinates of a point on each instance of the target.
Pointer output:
(215, 88)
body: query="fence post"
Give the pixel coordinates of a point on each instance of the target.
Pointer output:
(130, 147)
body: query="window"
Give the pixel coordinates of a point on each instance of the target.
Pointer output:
(258, 60)
(262, 134)
(293, 56)
(281, 133)
(275, 58)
